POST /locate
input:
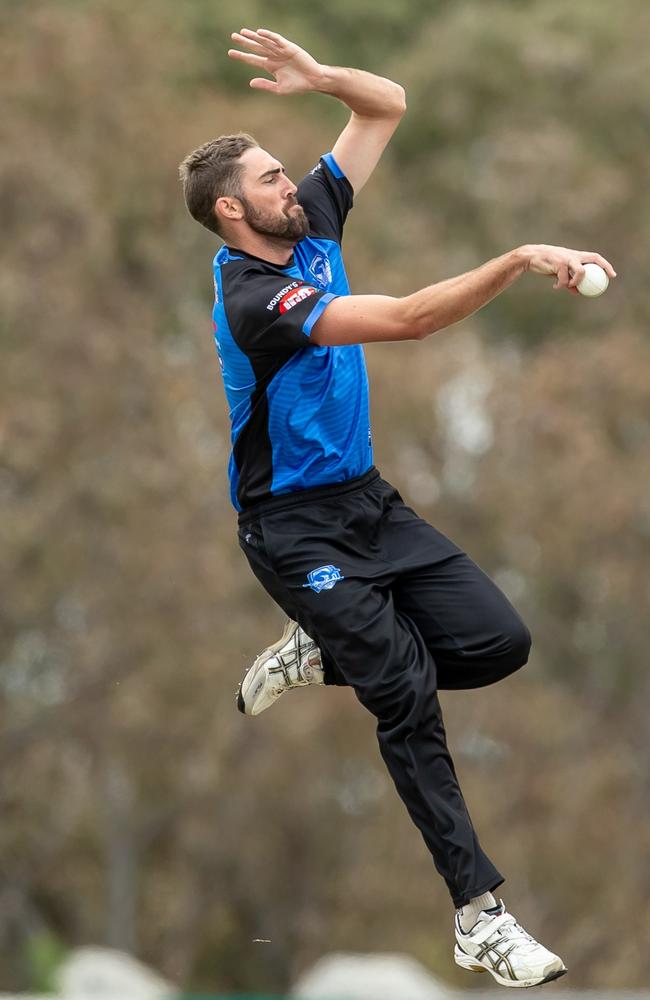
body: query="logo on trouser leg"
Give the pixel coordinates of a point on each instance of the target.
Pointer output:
(323, 578)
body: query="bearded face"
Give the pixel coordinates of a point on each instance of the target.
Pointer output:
(289, 224)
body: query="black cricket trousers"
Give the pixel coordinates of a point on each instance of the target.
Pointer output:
(398, 612)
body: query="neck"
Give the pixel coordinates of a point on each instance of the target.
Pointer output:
(270, 248)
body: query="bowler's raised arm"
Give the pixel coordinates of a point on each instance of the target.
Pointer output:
(377, 104)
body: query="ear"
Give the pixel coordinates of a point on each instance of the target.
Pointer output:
(229, 209)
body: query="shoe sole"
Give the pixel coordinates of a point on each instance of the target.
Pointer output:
(265, 655)
(466, 962)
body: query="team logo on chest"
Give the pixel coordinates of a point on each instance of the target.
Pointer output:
(321, 270)
(323, 578)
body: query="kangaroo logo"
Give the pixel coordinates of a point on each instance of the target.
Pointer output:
(323, 578)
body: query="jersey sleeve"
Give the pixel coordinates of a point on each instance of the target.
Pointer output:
(270, 315)
(326, 196)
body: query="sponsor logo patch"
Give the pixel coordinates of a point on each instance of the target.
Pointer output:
(323, 578)
(278, 296)
(292, 298)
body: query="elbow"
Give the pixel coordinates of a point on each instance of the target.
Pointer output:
(415, 330)
(415, 325)
(427, 326)
(393, 100)
(403, 321)
(420, 335)
(400, 101)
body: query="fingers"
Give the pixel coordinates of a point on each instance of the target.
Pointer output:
(248, 58)
(248, 43)
(260, 83)
(269, 41)
(273, 36)
(576, 272)
(562, 278)
(260, 51)
(588, 257)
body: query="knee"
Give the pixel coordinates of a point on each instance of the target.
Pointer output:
(515, 646)
(519, 644)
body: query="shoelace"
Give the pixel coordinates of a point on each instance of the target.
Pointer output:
(304, 676)
(505, 926)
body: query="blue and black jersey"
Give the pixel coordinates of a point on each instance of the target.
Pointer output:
(299, 411)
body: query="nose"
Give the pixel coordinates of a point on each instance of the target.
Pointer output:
(291, 188)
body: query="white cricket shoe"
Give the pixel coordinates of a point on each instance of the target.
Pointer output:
(497, 944)
(293, 661)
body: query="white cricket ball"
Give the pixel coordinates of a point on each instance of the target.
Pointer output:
(594, 281)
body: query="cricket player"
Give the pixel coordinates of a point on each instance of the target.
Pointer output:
(377, 598)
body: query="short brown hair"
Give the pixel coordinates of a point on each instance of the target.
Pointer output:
(213, 171)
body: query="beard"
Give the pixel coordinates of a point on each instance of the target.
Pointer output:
(290, 227)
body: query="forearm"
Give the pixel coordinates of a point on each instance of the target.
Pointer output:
(359, 319)
(367, 95)
(440, 305)
(363, 319)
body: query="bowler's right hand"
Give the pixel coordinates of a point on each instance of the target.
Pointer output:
(566, 266)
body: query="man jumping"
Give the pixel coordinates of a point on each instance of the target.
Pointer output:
(377, 598)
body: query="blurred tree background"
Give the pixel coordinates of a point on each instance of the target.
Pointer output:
(137, 807)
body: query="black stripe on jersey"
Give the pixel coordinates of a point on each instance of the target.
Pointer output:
(327, 200)
(252, 451)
